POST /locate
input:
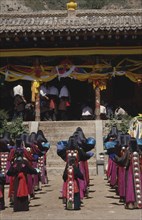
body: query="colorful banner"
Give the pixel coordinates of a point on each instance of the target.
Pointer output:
(93, 73)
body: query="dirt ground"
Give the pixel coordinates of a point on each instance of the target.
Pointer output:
(103, 203)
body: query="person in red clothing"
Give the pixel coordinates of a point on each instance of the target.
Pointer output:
(70, 176)
(19, 170)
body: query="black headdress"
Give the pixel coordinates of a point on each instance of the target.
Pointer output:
(40, 137)
(33, 138)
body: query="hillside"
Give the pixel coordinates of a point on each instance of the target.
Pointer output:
(36, 5)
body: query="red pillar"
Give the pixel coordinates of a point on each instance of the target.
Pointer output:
(37, 106)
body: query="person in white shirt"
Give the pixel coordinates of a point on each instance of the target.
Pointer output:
(87, 112)
(43, 90)
(64, 92)
(102, 111)
(52, 90)
(19, 101)
(18, 90)
(120, 112)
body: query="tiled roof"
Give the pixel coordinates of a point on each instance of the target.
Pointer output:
(90, 20)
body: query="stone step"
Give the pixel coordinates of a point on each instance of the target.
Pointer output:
(63, 130)
(63, 136)
(56, 131)
(55, 126)
(58, 136)
(67, 123)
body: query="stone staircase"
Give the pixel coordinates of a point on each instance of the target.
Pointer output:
(61, 130)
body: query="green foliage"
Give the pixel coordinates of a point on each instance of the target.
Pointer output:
(3, 120)
(123, 124)
(15, 128)
(3, 115)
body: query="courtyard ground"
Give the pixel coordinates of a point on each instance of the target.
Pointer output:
(102, 204)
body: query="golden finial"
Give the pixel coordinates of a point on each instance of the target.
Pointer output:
(72, 5)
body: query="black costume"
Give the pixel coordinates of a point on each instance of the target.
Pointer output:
(19, 170)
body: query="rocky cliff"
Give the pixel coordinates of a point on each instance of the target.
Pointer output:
(42, 5)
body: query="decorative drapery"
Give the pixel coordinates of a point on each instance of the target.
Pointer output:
(98, 74)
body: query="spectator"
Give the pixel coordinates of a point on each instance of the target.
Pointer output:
(19, 101)
(120, 113)
(44, 103)
(53, 94)
(64, 103)
(109, 111)
(87, 112)
(102, 111)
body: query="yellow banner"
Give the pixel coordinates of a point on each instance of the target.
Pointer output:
(129, 50)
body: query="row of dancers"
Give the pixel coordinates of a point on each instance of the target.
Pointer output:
(124, 170)
(75, 152)
(23, 167)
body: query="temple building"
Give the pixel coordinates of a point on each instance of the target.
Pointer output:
(96, 52)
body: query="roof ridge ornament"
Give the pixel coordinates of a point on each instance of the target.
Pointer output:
(72, 5)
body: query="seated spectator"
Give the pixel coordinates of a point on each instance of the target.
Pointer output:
(87, 112)
(120, 113)
(102, 111)
(109, 111)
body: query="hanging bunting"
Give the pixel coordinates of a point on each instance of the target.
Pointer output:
(93, 73)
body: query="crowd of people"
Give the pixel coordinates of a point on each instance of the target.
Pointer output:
(124, 171)
(56, 105)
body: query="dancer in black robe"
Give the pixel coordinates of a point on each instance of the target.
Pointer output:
(71, 175)
(2, 183)
(19, 170)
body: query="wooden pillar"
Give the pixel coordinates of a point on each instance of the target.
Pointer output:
(37, 106)
(97, 101)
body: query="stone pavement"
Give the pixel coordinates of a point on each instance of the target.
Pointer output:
(103, 203)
